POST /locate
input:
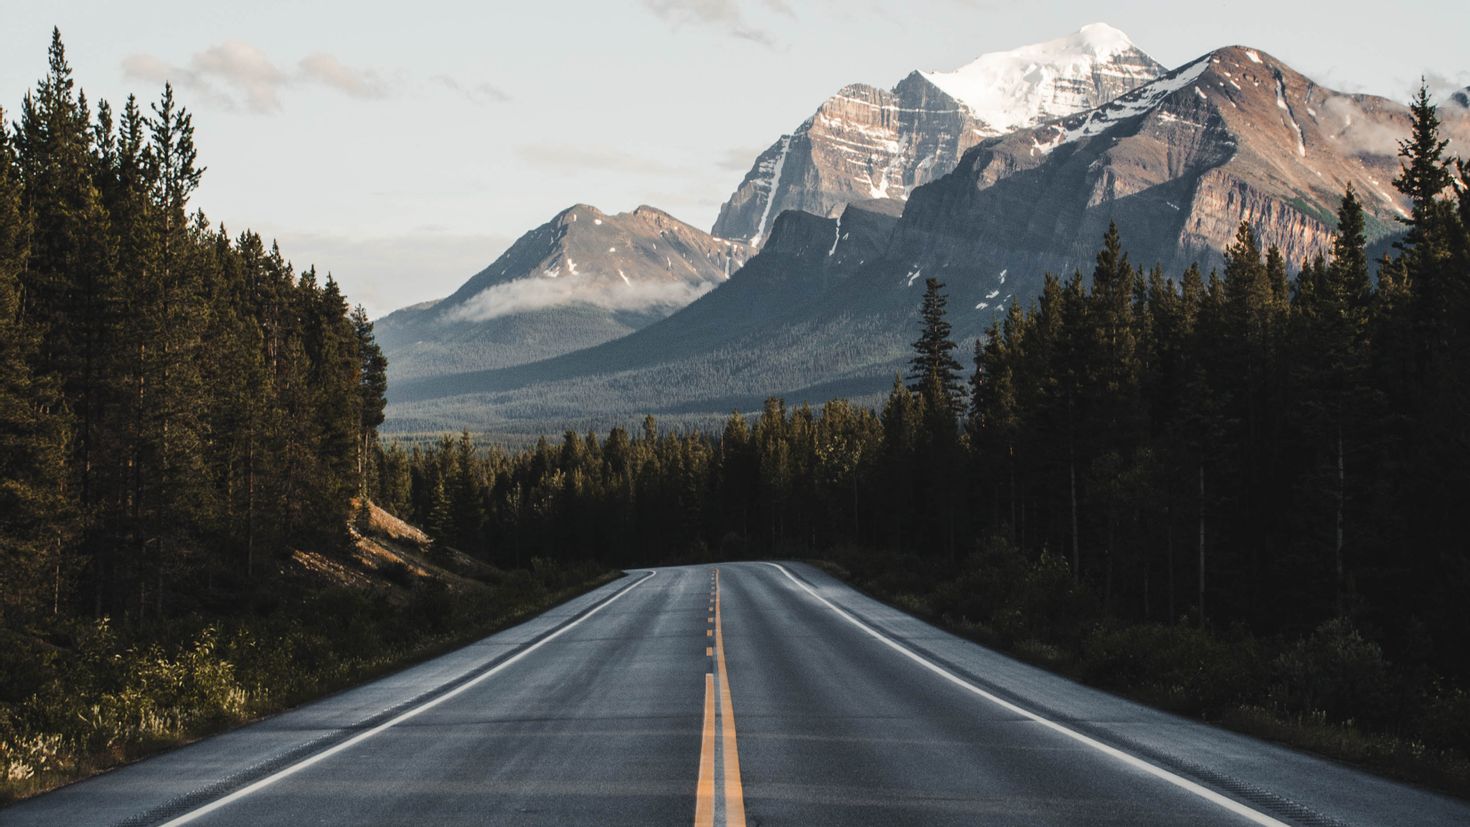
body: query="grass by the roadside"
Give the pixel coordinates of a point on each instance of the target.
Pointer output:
(88, 697)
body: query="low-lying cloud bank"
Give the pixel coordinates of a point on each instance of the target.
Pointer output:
(540, 293)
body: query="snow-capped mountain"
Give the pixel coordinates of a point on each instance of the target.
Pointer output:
(580, 279)
(868, 143)
(1232, 136)
(1005, 91)
(827, 308)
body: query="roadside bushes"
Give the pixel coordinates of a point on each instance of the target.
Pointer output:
(112, 698)
(1013, 597)
(1332, 690)
(80, 696)
(1178, 667)
(1335, 672)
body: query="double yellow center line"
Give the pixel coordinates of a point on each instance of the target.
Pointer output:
(719, 758)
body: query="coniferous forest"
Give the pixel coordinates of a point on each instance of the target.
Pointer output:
(181, 411)
(1235, 493)
(178, 404)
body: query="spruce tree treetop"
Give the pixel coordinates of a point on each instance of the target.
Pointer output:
(1112, 270)
(934, 350)
(1424, 173)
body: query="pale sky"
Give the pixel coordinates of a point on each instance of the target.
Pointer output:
(403, 146)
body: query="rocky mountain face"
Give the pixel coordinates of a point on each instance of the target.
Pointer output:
(1178, 163)
(580, 279)
(868, 143)
(827, 308)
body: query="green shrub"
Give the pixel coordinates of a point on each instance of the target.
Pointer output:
(1180, 667)
(1336, 672)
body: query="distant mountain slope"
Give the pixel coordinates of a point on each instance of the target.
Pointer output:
(865, 142)
(727, 350)
(828, 306)
(579, 280)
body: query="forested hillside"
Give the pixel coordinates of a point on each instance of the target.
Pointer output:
(186, 428)
(1233, 493)
(178, 405)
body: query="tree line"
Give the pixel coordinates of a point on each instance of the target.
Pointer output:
(178, 407)
(1237, 447)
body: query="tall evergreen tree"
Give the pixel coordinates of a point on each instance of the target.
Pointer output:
(34, 518)
(934, 352)
(70, 295)
(372, 392)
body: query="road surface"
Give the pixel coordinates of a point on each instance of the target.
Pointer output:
(747, 693)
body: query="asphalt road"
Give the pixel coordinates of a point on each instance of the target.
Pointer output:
(753, 695)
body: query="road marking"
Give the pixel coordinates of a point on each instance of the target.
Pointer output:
(709, 632)
(729, 751)
(418, 710)
(719, 758)
(704, 800)
(1252, 815)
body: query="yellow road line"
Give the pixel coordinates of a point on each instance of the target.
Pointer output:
(734, 791)
(719, 717)
(704, 803)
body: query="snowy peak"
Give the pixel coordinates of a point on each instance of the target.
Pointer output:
(869, 143)
(1130, 105)
(1178, 163)
(1022, 87)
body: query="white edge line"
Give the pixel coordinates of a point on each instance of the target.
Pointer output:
(424, 707)
(1134, 761)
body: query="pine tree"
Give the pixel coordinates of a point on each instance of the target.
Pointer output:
(1329, 364)
(69, 293)
(934, 352)
(1111, 356)
(34, 511)
(1424, 174)
(902, 420)
(372, 390)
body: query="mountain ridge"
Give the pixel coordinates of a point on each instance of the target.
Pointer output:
(866, 142)
(579, 279)
(1233, 135)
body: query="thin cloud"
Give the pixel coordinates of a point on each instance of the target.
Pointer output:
(726, 15)
(738, 159)
(1444, 87)
(1358, 130)
(480, 94)
(328, 71)
(239, 75)
(582, 158)
(539, 293)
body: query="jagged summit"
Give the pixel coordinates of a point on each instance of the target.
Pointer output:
(1232, 136)
(1024, 86)
(869, 143)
